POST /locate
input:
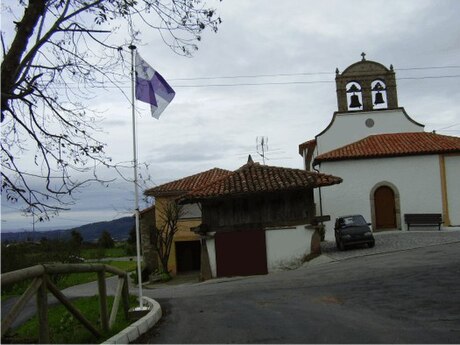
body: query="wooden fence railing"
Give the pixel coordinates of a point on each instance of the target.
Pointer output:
(41, 283)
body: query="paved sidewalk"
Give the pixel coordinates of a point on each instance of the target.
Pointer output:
(390, 241)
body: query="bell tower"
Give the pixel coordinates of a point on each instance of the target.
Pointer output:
(366, 85)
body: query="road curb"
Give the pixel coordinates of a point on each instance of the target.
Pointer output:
(141, 326)
(319, 260)
(391, 251)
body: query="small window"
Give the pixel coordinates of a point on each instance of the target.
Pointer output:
(191, 211)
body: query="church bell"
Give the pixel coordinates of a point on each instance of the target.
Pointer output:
(354, 101)
(379, 98)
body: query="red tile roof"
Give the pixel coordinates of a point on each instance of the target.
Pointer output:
(307, 145)
(188, 183)
(256, 178)
(393, 145)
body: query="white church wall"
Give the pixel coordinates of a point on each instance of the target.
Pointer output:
(350, 127)
(452, 164)
(417, 179)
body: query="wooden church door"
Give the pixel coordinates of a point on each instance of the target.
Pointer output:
(385, 210)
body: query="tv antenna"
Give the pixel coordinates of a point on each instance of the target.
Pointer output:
(262, 147)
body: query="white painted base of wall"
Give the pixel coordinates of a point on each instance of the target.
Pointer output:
(211, 246)
(286, 247)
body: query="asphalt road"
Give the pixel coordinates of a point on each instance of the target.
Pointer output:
(410, 296)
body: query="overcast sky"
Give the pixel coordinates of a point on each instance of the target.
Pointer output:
(210, 126)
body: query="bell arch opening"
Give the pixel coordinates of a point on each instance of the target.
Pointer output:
(354, 96)
(379, 94)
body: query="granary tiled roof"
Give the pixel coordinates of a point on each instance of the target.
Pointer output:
(188, 183)
(393, 145)
(256, 178)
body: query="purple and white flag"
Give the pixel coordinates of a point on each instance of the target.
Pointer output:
(151, 87)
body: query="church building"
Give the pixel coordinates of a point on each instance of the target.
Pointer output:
(389, 165)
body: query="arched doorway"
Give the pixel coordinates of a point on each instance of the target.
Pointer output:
(385, 208)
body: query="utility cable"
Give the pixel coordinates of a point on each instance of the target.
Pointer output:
(264, 83)
(301, 74)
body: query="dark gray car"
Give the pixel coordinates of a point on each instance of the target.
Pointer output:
(351, 230)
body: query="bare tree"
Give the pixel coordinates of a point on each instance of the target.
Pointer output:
(54, 56)
(163, 236)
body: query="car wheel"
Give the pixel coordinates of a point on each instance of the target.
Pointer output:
(371, 244)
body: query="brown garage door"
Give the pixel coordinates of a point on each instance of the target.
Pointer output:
(241, 253)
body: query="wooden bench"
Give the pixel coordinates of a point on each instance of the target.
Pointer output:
(423, 219)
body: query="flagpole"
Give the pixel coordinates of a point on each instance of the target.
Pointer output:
(136, 191)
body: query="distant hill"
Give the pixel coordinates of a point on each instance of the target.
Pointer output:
(119, 230)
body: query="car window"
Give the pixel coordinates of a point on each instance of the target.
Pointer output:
(359, 220)
(348, 221)
(354, 220)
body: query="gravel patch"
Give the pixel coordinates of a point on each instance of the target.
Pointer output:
(391, 241)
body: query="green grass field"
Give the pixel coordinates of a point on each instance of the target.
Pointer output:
(96, 253)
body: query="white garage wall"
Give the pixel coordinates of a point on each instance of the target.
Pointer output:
(211, 246)
(452, 164)
(287, 247)
(417, 179)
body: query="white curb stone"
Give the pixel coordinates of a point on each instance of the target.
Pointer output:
(141, 326)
